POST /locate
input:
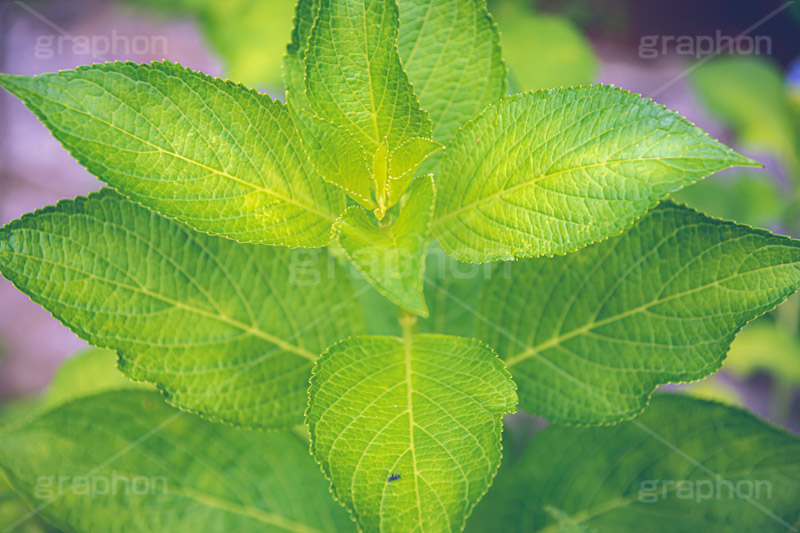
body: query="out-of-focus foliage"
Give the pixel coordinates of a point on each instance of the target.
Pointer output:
(13, 509)
(748, 94)
(752, 198)
(249, 35)
(542, 50)
(90, 372)
(86, 373)
(766, 346)
(715, 389)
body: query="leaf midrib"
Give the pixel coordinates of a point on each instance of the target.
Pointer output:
(312, 209)
(250, 329)
(541, 177)
(532, 351)
(407, 340)
(248, 511)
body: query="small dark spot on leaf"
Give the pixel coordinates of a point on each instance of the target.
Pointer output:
(393, 477)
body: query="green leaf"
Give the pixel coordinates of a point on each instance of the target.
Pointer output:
(337, 156)
(224, 329)
(332, 149)
(549, 172)
(426, 408)
(221, 158)
(392, 258)
(451, 52)
(588, 336)
(354, 79)
(403, 162)
(124, 457)
(686, 465)
(294, 70)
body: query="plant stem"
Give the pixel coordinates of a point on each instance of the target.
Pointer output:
(408, 323)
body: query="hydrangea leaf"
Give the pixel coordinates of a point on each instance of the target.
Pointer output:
(549, 172)
(408, 429)
(332, 149)
(588, 336)
(392, 258)
(224, 329)
(686, 465)
(451, 51)
(221, 158)
(126, 458)
(337, 156)
(294, 70)
(354, 79)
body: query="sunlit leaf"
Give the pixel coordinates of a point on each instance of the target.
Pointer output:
(224, 329)
(549, 172)
(451, 51)
(408, 430)
(393, 257)
(589, 335)
(224, 159)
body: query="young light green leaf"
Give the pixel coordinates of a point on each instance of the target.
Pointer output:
(294, 70)
(354, 79)
(393, 258)
(549, 172)
(221, 158)
(335, 153)
(686, 465)
(403, 162)
(124, 457)
(451, 51)
(588, 336)
(408, 430)
(432, 38)
(337, 156)
(224, 329)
